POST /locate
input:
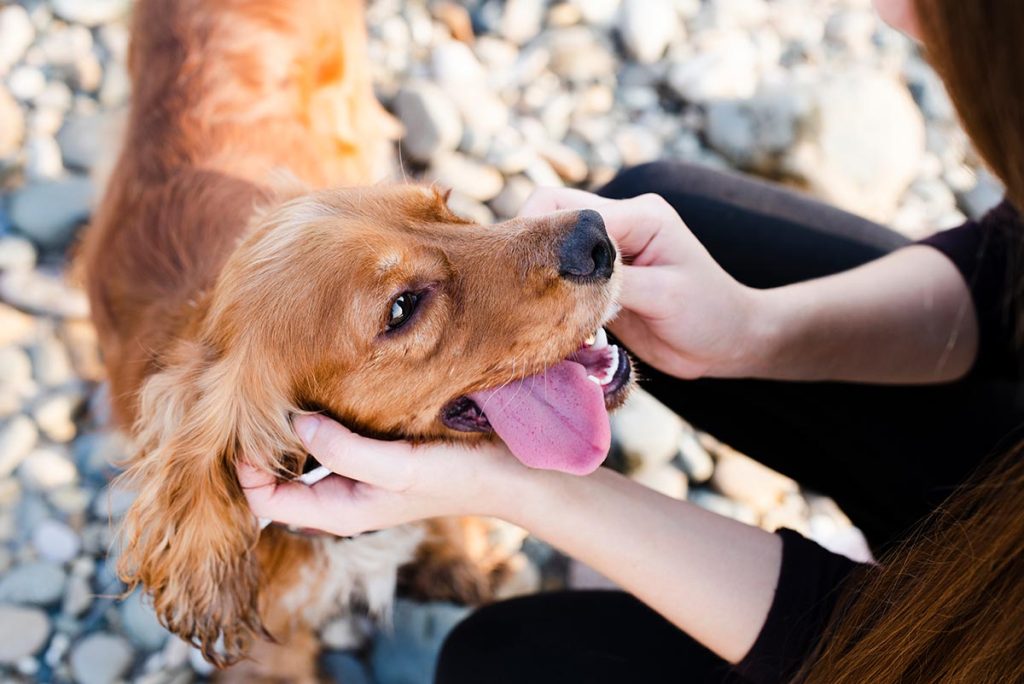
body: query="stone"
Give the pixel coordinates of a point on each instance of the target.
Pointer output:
(578, 54)
(71, 500)
(512, 197)
(666, 479)
(16, 34)
(140, 623)
(42, 158)
(43, 292)
(758, 132)
(23, 632)
(16, 254)
(432, 121)
(521, 20)
(647, 27)
(637, 145)
(407, 654)
(694, 459)
(566, 162)
(116, 85)
(455, 67)
(82, 344)
(46, 469)
(747, 481)
(456, 18)
(470, 209)
(646, 431)
(100, 658)
(17, 439)
(986, 194)
(727, 69)
(56, 542)
(26, 83)
(112, 503)
(90, 12)
(37, 583)
(598, 12)
(467, 176)
(48, 212)
(55, 415)
(84, 139)
(12, 126)
(716, 503)
(51, 362)
(56, 95)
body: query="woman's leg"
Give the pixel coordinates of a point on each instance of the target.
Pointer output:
(595, 637)
(888, 455)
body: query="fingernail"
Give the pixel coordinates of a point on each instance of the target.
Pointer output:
(306, 427)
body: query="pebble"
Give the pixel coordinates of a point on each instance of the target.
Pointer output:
(16, 34)
(567, 162)
(140, 623)
(16, 254)
(472, 179)
(84, 139)
(716, 503)
(666, 479)
(90, 12)
(42, 158)
(646, 431)
(112, 503)
(36, 582)
(78, 596)
(694, 459)
(744, 479)
(26, 82)
(56, 542)
(432, 122)
(521, 20)
(44, 293)
(17, 439)
(512, 197)
(55, 415)
(647, 27)
(48, 212)
(51, 362)
(100, 658)
(23, 632)
(12, 126)
(986, 194)
(46, 469)
(727, 70)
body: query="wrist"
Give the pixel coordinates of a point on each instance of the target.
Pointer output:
(761, 336)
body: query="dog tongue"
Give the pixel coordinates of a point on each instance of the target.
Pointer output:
(556, 420)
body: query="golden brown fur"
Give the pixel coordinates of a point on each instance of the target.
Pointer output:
(229, 295)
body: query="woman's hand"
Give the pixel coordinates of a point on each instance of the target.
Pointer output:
(381, 484)
(682, 313)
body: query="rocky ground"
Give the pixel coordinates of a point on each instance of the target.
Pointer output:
(497, 98)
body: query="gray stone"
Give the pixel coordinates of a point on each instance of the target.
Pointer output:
(512, 197)
(455, 67)
(56, 542)
(85, 139)
(16, 254)
(694, 459)
(55, 415)
(50, 361)
(12, 126)
(647, 27)
(100, 658)
(56, 95)
(112, 503)
(727, 69)
(17, 439)
(116, 85)
(986, 194)
(521, 20)
(48, 212)
(432, 121)
(90, 12)
(46, 469)
(43, 293)
(26, 82)
(470, 209)
(37, 583)
(716, 503)
(468, 176)
(140, 623)
(578, 54)
(408, 653)
(16, 34)
(646, 431)
(42, 158)
(23, 632)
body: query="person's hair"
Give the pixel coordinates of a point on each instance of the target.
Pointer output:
(948, 604)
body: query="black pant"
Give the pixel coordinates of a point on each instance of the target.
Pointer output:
(887, 454)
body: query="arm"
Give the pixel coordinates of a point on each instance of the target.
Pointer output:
(906, 318)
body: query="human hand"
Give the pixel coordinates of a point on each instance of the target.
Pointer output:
(682, 313)
(380, 484)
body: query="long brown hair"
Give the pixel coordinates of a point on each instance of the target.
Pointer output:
(948, 606)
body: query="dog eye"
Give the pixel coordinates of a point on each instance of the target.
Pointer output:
(402, 309)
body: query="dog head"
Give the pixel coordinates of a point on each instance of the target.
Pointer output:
(384, 310)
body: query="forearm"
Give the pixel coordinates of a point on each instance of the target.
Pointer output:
(711, 576)
(907, 318)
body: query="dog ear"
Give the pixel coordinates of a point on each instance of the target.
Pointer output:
(189, 538)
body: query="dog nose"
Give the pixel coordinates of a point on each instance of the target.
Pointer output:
(587, 254)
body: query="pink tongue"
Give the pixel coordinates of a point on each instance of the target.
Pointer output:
(556, 420)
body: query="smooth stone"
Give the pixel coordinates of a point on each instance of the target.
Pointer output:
(16, 35)
(16, 254)
(579, 55)
(140, 623)
(55, 416)
(48, 212)
(792, 513)
(85, 139)
(470, 209)
(46, 469)
(566, 162)
(646, 431)
(12, 126)
(666, 479)
(82, 343)
(647, 27)
(512, 197)
(43, 292)
(16, 370)
(112, 503)
(26, 82)
(90, 12)
(100, 658)
(694, 459)
(37, 583)
(521, 20)
(42, 158)
(601, 13)
(745, 480)
(407, 654)
(116, 85)
(727, 70)
(17, 439)
(51, 362)
(986, 194)
(56, 95)
(432, 122)
(23, 632)
(716, 503)
(467, 176)
(455, 67)
(56, 542)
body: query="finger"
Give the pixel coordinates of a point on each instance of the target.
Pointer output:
(330, 505)
(551, 200)
(645, 228)
(385, 464)
(251, 477)
(647, 292)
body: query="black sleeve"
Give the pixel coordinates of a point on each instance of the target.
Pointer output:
(984, 252)
(809, 584)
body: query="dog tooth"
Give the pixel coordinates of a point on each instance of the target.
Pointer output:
(609, 374)
(589, 341)
(594, 380)
(600, 339)
(313, 476)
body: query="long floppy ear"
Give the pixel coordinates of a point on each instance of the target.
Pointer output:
(189, 537)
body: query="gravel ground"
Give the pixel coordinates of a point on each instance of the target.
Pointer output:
(497, 98)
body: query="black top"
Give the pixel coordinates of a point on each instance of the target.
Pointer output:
(811, 577)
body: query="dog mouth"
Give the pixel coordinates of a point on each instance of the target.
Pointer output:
(557, 419)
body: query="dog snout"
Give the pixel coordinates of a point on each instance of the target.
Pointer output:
(587, 254)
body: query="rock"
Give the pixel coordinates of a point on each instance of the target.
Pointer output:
(42, 158)
(5, 559)
(716, 503)
(55, 415)
(26, 83)
(56, 542)
(727, 69)
(470, 209)
(862, 144)
(512, 197)
(407, 654)
(647, 27)
(665, 479)
(737, 14)
(792, 513)
(17, 439)
(48, 212)
(46, 469)
(23, 632)
(43, 293)
(16, 34)
(112, 503)
(71, 501)
(84, 139)
(116, 85)
(598, 12)
(521, 20)
(577, 54)
(100, 658)
(637, 145)
(745, 480)
(456, 18)
(37, 583)
(140, 623)
(986, 194)
(90, 12)
(455, 67)
(467, 176)
(566, 162)
(757, 133)
(56, 95)
(16, 254)
(51, 362)
(82, 345)
(646, 431)
(432, 121)
(694, 458)
(12, 126)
